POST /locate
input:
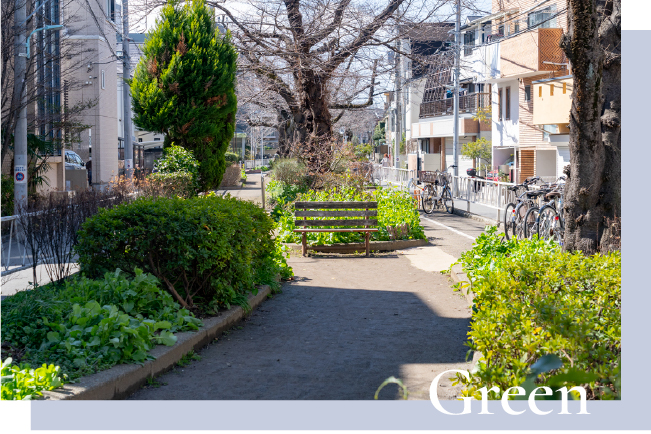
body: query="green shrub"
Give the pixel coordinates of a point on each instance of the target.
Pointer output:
(279, 194)
(176, 160)
(86, 325)
(231, 158)
(534, 299)
(207, 251)
(395, 208)
(22, 383)
(290, 171)
(243, 175)
(181, 184)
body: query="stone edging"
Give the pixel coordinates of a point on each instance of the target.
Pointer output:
(121, 381)
(377, 246)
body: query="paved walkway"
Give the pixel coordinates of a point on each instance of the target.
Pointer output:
(251, 190)
(345, 325)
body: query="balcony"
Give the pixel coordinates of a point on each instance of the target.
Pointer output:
(444, 107)
(532, 52)
(552, 101)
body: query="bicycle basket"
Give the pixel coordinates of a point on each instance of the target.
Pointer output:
(426, 176)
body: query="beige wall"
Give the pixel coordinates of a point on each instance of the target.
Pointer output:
(552, 109)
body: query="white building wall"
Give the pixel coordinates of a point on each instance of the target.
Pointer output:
(506, 132)
(415, 92)
(562, 159)
(464, 163)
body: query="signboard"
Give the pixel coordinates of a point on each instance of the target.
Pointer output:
(20, 174)
(128, 164)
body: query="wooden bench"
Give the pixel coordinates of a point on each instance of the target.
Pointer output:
(366, 210)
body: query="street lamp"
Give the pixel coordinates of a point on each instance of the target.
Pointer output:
(49, 27)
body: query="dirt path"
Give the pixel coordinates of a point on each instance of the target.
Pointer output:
(337, 332)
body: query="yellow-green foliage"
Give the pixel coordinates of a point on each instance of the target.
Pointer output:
(22, 382)
(533, 299)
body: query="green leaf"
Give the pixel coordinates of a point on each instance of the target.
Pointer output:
(53, 337)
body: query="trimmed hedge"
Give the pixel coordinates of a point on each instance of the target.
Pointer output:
(207, 251)
(533, 299)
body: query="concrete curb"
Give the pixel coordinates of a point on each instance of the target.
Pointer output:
(477, 217)
(121, 381)
(377, 246)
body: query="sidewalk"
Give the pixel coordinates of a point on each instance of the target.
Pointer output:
(250, 191)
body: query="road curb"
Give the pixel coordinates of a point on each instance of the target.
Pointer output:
(121, 381)
(477, 217)
(377, 246)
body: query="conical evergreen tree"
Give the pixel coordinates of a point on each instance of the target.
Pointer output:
(184, 85)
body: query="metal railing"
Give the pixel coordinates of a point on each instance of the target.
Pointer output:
(492, 194)
(443, 107)
(252, 164)
(10, 242)
(393, 175)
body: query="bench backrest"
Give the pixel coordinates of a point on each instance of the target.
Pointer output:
(366, 213)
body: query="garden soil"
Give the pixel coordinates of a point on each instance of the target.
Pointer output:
(346, 324)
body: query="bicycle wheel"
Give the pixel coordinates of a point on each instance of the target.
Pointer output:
(447, 200)
(518, 219)
(530, 222)
(428, 200)
(508, 219)
(549, 226)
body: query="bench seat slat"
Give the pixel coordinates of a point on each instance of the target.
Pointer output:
(361, 213)
(338, 230)
(336, 223)
(335, 205)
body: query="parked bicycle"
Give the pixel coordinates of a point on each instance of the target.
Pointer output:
(434, 190)
(547, 220)
(514, 212)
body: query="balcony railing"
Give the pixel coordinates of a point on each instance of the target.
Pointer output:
(443, 107)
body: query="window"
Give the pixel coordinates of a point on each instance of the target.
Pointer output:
(564, 88)
(544, 18)
(540, 91)
(500, 30)
(499, 105)
(103, 80)
(551, 90)
(156, 139)
(527, 92)
(468, 42)
(508, 103)
(517, 28)
(110, 9)
(139, 139)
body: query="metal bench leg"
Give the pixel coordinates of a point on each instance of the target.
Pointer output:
(304, 242)
(368, 244)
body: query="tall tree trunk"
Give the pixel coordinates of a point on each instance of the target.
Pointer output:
(593, 190)
(314, 122)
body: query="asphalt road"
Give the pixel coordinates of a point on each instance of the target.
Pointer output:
(345, 325)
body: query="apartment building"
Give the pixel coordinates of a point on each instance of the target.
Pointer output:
(433, 131)
(409, 79)
(92, 25)
(513, 67)
(530, 116)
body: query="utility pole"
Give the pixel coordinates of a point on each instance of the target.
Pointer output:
(126, 93)
(20, 133)
(457, 61)
(398, 137)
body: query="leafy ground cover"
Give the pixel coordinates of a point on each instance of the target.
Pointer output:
(395, 208)
(83, 326)
(534, 300)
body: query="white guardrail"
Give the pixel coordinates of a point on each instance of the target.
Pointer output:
(252, 164)
(488, 193)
